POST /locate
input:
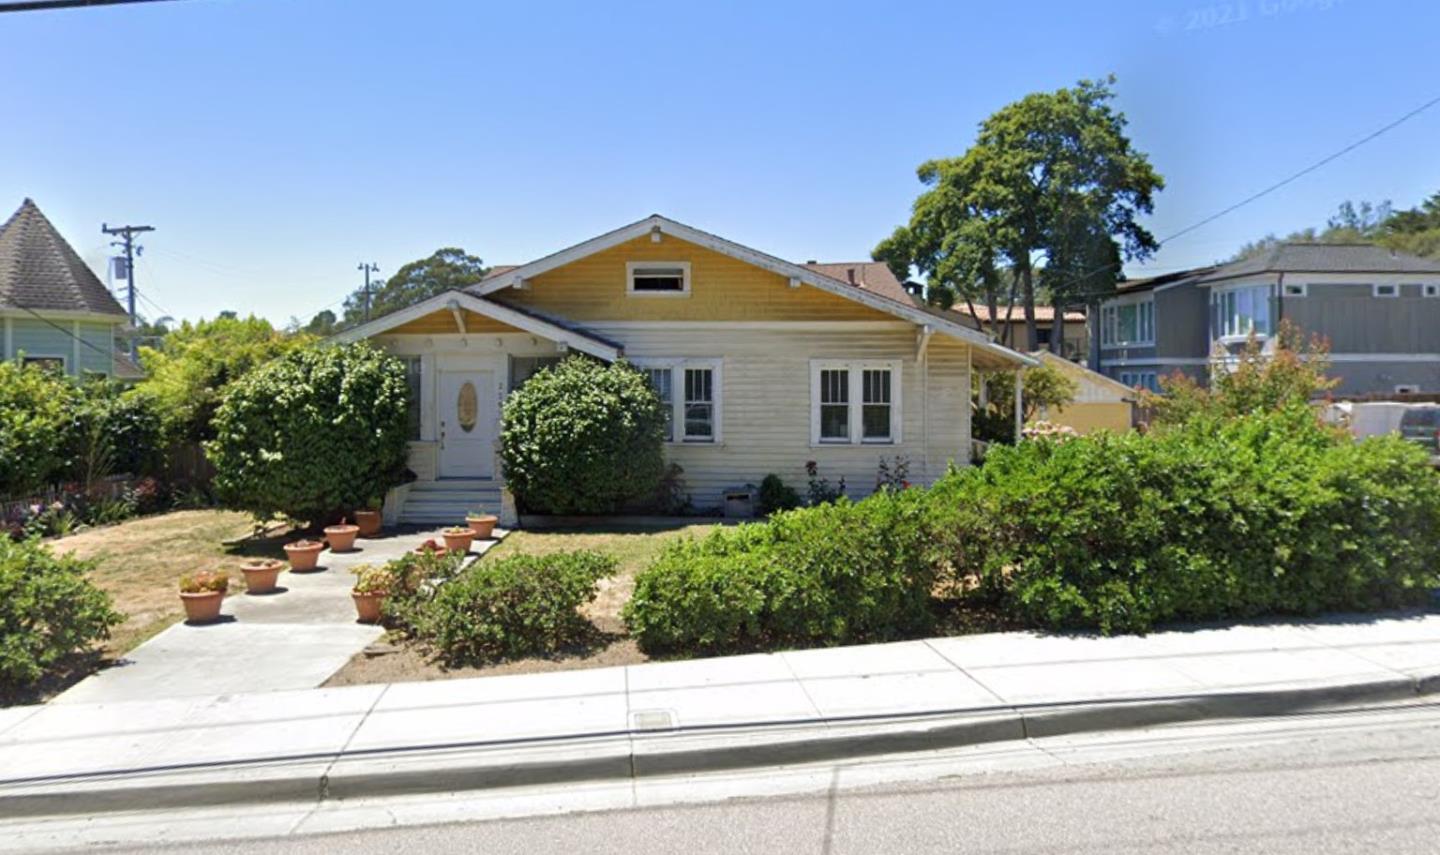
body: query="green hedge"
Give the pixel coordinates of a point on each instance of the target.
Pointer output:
(583, 438)
(1264, 514)
(314, 434)
(48, 611)
(524, 605)
(836, 573)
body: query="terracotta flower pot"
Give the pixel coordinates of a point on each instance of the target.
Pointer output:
(368, 523)
(367, 606)
(303, 554)
(482, 525)
(261, 575)
(203, 607)
(341, 537)
(437, 551)
(455, 541)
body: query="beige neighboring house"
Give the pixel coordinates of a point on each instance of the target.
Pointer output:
(1100, 402)
(1011, 326)
(766, 364)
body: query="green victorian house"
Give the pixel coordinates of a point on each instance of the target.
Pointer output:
(53, 309)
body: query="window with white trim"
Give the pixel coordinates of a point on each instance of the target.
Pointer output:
(690, 391)
(1126, 324)
(1294, 289)
(854, 403)
(657, 278)
(1237, 312)
(1385, 290)
(1430, 289)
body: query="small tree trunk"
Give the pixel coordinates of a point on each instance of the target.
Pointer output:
(1032, 333)
(1057, 332)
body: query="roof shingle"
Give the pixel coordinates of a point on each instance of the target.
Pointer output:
(39, 270)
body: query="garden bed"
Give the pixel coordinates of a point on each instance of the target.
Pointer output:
(632, 546)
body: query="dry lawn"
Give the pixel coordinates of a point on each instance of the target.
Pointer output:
(139, 562)
(632, 547)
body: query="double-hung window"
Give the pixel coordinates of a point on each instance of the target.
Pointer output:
(854, 402)
(690, 391)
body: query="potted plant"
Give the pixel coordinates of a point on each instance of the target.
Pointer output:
(304, 554)
(341, 537)
(372, 586)
(261, 574)
(201, 593)
(369, 521)
(481, 523)
(457, 538)
(431, 547)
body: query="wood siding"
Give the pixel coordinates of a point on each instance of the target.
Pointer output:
(443, 322)
(765, 404)
(721, 289)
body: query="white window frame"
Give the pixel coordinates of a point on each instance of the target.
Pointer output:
(1300, 289)
(676, 367)
(1144, 324)
(1430, 289)
(1224, 333)
(856, 401)
(1394, 290)
(26, 357)
(1407, 389)
(631, 267)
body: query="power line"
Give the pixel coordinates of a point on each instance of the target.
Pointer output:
(109, 354)
(41, 5)
(1263, 193)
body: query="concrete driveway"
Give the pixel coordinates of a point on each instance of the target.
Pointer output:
(295, 638)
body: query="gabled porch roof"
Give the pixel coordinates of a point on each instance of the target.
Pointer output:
(458, 301)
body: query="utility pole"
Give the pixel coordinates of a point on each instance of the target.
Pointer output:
(127, 239)
(372, 267)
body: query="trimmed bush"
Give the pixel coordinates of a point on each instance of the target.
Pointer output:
(583, 438)
(830, 574)
(524, 605)
(776, 495)
(313, 434)
(1217, 518)
(48, 611)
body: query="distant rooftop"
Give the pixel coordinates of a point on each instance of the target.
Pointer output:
(39, 270)
(1298, 257)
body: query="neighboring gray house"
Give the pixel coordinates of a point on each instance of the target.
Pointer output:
(53, 309)
(1379, 309)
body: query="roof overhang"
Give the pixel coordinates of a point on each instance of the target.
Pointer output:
(793, 273)
(457, 300)
(65, 314)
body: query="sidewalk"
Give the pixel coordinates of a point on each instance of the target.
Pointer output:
(295, 638)
(688, 717)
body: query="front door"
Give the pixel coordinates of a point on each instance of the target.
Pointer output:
(467, 424)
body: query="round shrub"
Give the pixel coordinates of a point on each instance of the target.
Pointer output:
(524, 605)
(313, 434)
(582, 437)
(48, 611)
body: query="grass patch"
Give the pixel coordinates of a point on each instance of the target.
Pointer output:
(140, 562)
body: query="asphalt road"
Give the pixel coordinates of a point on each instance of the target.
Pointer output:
(1353, 788)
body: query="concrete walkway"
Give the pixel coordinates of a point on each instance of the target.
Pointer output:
(687, 717)
(294, 638)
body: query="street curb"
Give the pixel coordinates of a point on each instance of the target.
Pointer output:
(645, 753)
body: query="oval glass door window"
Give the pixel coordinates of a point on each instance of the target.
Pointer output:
(467, 407)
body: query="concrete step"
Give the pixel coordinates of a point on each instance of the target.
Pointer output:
(453, 485)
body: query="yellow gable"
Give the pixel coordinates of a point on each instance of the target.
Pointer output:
(722, 288)
(443, 321)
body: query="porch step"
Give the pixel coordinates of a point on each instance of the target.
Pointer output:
(449, 500)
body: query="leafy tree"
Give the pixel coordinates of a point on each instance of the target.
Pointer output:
(35, 407)
(322, 325)
(188, 372)
(1414, 230)
(1257, 381)
(447, 269)
(313, 434)
(1052, 179)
